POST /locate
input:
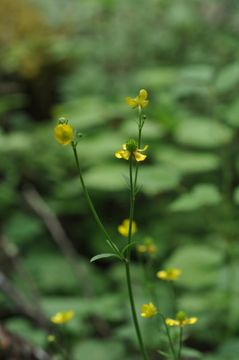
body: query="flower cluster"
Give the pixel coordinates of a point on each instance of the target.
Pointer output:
(133, 151)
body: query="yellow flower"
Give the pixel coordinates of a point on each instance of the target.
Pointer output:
(169, 274)
(64, 134)
(138, 101)
(123, 229)
(148, 310)
(181, 320)
(131, 149)
(147, 247)
(62, 317)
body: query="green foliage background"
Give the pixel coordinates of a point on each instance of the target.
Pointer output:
(80, 59)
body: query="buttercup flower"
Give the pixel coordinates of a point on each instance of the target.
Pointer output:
(64, 133)
(138, 101)
(123, 229)
(62, 317)
(148, 310)
(131, 149)
(147, 247)
(169, 274)
(181, 320)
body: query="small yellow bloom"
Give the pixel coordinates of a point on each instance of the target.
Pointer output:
(169, 274)
(181, 320)
(64, 134)
(138, 101)
(51, 338)
(130, 148)
(150, 249)
(123, 229)
(147, 247)
(62, 317)
(148, 310)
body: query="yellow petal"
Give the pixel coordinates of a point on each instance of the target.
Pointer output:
(144, 148)
(162, 275)
(118, 154)
(62, 317)
(124, 147)
(172, 322)
(126, 154)
(123, 230)
(144, 103)
(131, 102)
(143, 94)
(139, 157)
(190, 321)
(122, 154)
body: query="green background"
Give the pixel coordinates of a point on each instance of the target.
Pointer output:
(79, 59)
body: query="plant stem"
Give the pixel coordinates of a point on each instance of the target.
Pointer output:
(127, 263)
(169, 336)
(180, 342)
(91, 206)
(133, 311)
(140, 127)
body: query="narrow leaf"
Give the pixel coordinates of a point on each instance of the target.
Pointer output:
(126, 247)
(113, 245)
(102, 256)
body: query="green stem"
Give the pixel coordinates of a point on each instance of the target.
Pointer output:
(140, 127)
(169, 336)
(180, 342)
(91, 206)
(127, 264)
(133, 311)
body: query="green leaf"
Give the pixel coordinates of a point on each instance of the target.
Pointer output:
(191, 354)
(103, 256)
(231, 114)
(106, 177)
(163, 353)
(201, 195)
(228, 78)
(156, 179)
(155, 78)
(203, 133)
(199, 265)
(99, 350)
(188, 162)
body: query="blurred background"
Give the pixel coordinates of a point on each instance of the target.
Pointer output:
(79, 59)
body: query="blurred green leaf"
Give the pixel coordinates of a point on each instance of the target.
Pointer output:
(199, 264)
(202, 133)
(187, 161)
(228, 78)
(158, 178)
(202, 195)
(99, 350)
